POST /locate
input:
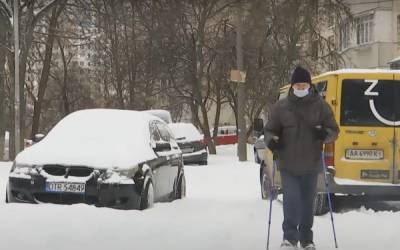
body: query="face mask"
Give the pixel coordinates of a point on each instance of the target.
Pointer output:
(301, 93)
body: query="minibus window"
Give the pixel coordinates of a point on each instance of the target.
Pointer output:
(356, 106)
(321, 88)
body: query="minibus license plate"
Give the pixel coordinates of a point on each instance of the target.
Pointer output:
(364, 154)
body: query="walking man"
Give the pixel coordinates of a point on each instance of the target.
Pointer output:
(298, 127)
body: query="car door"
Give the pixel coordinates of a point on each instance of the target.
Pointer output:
(364, 149)
(160, 166)
(173, 155)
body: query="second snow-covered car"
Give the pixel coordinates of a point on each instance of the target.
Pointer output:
(190, 142)
(114, 158)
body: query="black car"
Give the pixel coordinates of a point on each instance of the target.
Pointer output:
(190, 142)
(114, 158)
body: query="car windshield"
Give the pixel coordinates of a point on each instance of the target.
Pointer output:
(185, 131)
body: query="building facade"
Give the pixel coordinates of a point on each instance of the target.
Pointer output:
(369, 39)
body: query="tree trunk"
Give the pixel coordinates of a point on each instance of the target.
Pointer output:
(45, 71)
(130, 44)
(2, 106)
(26, 43)
(11, 107)
(64, 88)
(115, 50)
(3, 41)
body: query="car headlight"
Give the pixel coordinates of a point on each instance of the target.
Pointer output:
(119, 173)
(22, 168)
(106, 174)
(126, 172)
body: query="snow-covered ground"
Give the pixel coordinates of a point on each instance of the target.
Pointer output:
(222, 211)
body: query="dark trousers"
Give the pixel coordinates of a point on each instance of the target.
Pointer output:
(298, 203)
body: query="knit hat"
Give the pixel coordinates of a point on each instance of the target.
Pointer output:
(300, 75)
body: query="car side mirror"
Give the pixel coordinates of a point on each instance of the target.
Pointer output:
(258, 125)
(162, 146)
(37, 138)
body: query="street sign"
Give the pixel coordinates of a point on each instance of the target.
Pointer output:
(238, 76)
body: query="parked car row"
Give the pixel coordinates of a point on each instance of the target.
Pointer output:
(114, 158)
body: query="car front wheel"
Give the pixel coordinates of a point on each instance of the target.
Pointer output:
(321, 204)
(9, 197)
(147, 197)
(181, 188)
(202, 163)
(256, 158)
(266, 187)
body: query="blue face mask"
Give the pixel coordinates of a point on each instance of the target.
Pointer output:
(301, 93)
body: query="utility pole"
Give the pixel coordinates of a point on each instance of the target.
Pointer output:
(16, 79)
(242, 142)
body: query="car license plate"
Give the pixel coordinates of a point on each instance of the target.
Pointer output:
(364, 154)
(187, 150)
(65, 187)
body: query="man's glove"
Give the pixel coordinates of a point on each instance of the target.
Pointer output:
(274, 144)
(320, 132)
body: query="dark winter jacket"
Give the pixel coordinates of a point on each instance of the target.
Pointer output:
(294, 121)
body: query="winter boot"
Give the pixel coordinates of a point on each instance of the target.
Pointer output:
(308, 246)
(288, 245)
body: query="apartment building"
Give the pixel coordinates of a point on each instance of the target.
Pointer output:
(369, 39)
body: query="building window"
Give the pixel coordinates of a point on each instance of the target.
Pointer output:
(344, 36)
(364, 29)
(398, 32)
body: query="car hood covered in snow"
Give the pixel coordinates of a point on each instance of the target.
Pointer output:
(185, 132)
(102, 138)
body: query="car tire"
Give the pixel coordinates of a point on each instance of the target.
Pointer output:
(181, 187)
(147, 196)
(256, 158)
(202, 163)
(9, 197)
(265, 182)
(321, 204)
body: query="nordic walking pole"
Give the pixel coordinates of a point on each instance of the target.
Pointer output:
(329, 197)
(271, 193)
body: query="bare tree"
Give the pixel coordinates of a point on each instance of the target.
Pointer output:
(45, 73)
(4, 37)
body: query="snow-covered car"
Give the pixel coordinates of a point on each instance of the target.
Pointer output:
(190, 142)
(114, 158)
